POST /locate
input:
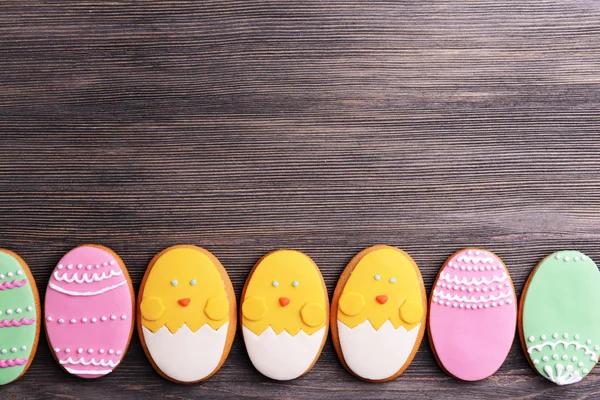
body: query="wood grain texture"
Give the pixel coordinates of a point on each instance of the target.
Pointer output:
(244, 127)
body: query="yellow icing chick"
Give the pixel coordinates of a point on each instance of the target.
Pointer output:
(285, 291)
(382, 286)
(184, 287)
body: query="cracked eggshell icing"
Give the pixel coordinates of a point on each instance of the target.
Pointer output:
(19, 317)
(186, 314)
(89, 311)
(380, 308)
(472, 315)
(559, 322)
(285, 314)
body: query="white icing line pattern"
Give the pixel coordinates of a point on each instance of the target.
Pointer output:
(99, 372)
(12, 312)
(81, 361)
(581, 257)
(438, 294)
(564, 376)
(85, 278)
(84, 320)
(476, 260)
(464, 281)
(552, 345)
(11, 274)
(88, 267)
(72, 293)
(90, 351)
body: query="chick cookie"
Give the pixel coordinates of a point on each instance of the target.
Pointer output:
(380, 309)
(187, 314)
(285, 314)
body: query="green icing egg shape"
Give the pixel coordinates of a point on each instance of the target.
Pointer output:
(19, 317)
(559, 322)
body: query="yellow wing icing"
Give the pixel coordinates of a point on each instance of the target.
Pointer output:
(183, 280)
(152, 308)
(411, 312)
(292, 289)
(313, 314)
(351, 303)
(217, 308)
(390, 288)
(254, 308)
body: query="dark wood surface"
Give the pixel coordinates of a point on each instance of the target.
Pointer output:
(325, 126)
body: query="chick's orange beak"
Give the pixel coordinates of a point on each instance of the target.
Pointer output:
(284, 301)
(381, 299)
(184, 302)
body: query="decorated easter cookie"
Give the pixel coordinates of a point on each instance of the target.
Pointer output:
(472, 315)
(559, 322)
(186, 314)
(19, 317)
(380, 309)
(89, 311)
(285, 314)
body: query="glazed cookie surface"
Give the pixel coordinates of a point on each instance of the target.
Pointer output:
(380, 309)
(19, 317)
(560, 319)
(472, 315)
(186, 314)
(285, 314)
(89, 311)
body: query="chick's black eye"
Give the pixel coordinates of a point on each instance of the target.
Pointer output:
(193, 282)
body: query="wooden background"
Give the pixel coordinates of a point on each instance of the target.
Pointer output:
(325, 126)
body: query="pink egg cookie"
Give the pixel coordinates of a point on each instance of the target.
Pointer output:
(89, 311)
(473, 315)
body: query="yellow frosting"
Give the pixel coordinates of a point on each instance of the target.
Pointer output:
(208, 303)
(273, 279)
(358, 301)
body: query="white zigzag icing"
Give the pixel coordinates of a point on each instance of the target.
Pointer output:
(475, 260)
(93, 362)
(464, 281)
(466, 299)
(85, 278)
(563, 376)
(552, 345)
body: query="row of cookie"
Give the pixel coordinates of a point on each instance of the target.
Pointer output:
(186, 314)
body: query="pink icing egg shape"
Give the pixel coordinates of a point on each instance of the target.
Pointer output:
(473, 315)
(89, 311)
